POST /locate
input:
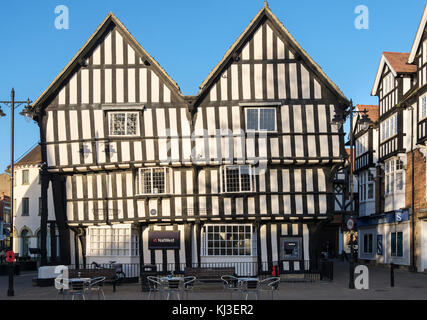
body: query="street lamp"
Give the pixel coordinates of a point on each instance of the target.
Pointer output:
(13, 105)
(364, 122)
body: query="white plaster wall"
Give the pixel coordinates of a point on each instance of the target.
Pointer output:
(32, 191)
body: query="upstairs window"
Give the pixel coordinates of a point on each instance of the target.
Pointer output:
(154, 180)
(389, 127)
(423, 107)
(388, 83)
(366, 186)
(25, 206)
(394, 176)
(25, 177)
(123, 123)
(237, 179)
(260, 119)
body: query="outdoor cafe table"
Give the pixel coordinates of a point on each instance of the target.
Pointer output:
(85, 280)
(164, 279)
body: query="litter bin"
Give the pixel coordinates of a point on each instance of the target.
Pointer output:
(147, 270)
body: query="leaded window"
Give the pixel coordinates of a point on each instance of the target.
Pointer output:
(229, 240)
(123, 123)
(237, 178)
(154, 180)
(109, 241)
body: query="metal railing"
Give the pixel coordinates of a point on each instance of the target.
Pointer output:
(247, 269)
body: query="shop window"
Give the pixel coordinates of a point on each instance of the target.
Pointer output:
(367, 243)
(108, 241)
(229, 240)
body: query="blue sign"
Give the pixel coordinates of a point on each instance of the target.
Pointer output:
(380, 244)
(398, 215)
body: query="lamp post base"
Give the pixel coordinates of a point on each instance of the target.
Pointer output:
(10, 291)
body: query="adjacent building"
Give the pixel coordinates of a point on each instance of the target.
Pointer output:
(27, 205)
(242, 172)
(394, 230)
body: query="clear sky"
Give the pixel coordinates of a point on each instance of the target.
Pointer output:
(189, 37)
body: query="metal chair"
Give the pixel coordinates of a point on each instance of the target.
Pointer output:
(173, 287)
(78, 289)
(270, 284)
(250, 286)
(155, 286)
(230, 283)
(189, 284)
(96, 284)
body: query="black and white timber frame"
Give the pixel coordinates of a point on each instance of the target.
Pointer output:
(94, 174)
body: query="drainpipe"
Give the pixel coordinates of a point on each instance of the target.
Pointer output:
(413, 264)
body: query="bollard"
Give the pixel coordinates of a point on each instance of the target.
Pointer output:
(392, 275)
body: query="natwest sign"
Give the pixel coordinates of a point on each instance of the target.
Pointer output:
(163, 240)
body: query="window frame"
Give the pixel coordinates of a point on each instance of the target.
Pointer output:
(167, 176)
(27, 206)
(368, 239)
(258, 119)
(109, 117)
(394, 244)
(224, 178)
(25, 177)
(423, 107)
(131, 248)
(393, 168)
(366, 180)
(205, 248)
(387, 126)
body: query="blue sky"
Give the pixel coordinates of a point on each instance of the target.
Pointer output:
(188, 38)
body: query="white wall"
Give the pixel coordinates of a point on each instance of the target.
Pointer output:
(32, 191)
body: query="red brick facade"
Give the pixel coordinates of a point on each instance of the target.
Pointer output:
(419, 201)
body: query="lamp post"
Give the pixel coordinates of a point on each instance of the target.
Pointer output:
(338, 121)
(13, 105)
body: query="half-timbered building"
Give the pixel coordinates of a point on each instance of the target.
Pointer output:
(243, 171)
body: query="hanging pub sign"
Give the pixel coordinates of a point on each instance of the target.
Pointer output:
(163, 240)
